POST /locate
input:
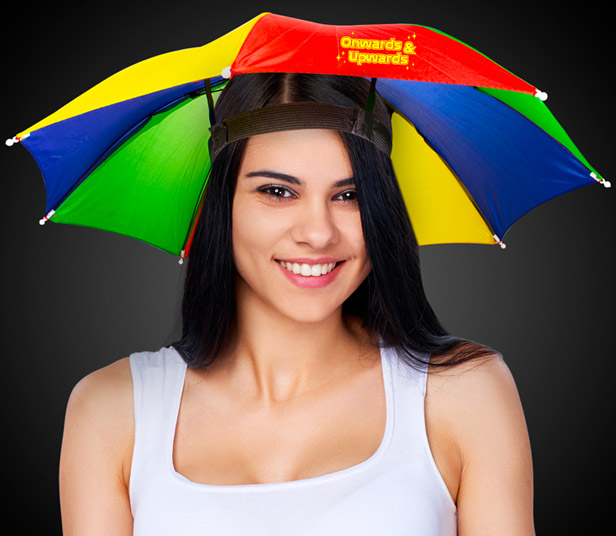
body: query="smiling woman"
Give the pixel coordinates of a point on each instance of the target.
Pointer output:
(313, 390)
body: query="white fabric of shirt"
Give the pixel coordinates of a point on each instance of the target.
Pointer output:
(398, 491)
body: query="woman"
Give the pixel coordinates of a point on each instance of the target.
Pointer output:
(313, 390)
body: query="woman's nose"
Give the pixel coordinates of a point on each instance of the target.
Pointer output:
(315, 225)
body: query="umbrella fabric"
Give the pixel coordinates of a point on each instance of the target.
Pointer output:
(475, 147)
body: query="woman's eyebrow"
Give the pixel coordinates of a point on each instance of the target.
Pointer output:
(294, 180)
(275, 175)
(345, 182)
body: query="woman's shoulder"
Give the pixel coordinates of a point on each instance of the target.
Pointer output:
(474, 395)
(469, 376)
(101, 404)
(475, 422)
(104, 388)
(103, 400)
(112, 384)
(488, 372)
(105, 397)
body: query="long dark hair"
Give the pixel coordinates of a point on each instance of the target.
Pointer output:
(391, 301)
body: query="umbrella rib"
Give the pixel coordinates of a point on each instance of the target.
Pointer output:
(195, 216)
(198, 205)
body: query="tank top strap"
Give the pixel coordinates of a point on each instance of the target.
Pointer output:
(408, 379)
(409, 444)
(408, 390)
(158, 382)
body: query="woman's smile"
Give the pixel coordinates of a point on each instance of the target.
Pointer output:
(308, 269)
(310, 275)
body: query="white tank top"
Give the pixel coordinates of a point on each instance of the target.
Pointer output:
(398, 491)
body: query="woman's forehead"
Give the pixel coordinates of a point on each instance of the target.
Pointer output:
(298, 153)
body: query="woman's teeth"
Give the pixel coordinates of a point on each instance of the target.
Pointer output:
(308, 269)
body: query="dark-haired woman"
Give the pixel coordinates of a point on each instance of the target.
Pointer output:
(314, 391)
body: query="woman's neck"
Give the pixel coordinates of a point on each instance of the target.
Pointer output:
(278, 358)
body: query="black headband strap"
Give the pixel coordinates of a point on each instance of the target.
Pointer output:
(210, 100)
(298, 116)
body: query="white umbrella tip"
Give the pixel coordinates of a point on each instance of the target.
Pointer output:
(606, 184)
(499, 241)
(11, 141)
(226, 72)
(541, 95)
(45, 218)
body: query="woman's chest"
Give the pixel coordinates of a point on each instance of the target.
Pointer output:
(227, 441)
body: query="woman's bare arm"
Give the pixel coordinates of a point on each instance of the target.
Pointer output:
(476, 412)
(96, 454)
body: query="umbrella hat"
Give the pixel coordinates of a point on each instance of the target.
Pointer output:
(474, 146)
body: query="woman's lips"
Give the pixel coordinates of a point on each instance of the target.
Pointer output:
(313, 274)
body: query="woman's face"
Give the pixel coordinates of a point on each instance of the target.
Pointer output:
(298, 243)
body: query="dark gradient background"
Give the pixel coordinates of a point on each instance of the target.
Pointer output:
(75, 299)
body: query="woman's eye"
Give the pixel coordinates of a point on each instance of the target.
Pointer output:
(348, 195)
(276, 192)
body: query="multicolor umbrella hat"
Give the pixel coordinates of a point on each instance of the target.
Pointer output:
(474, 146)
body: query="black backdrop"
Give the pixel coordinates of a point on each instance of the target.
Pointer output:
(75, 299)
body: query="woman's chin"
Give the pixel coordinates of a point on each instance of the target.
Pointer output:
(310, 314)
